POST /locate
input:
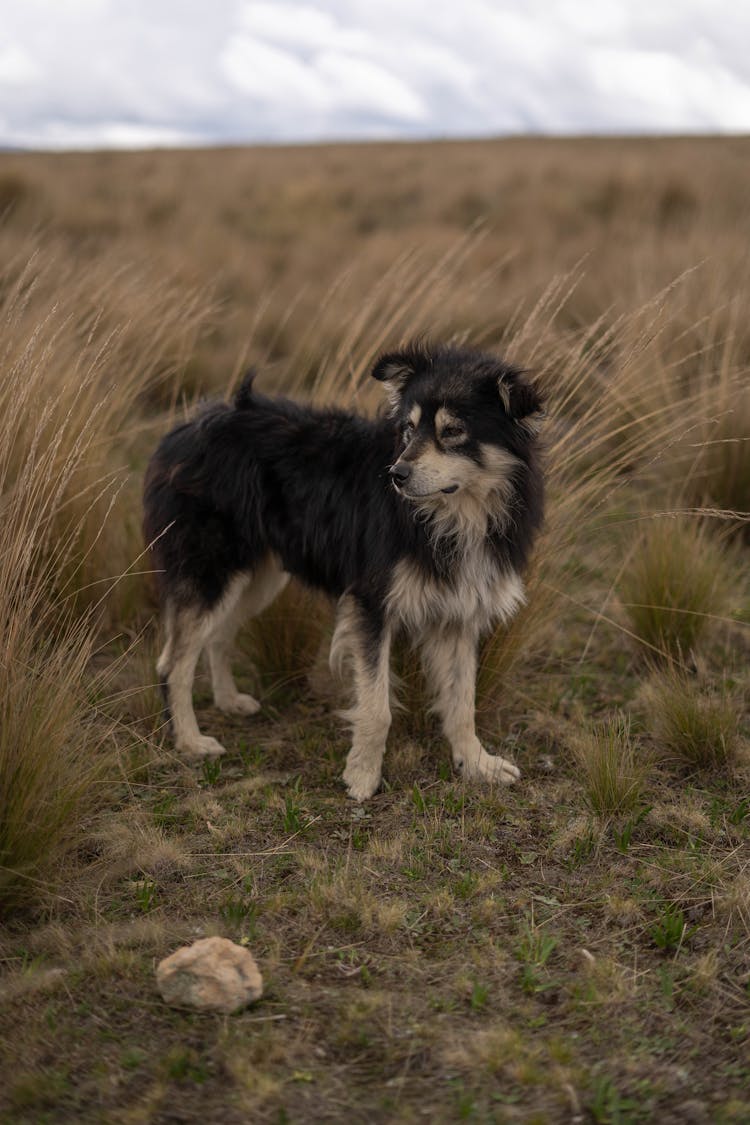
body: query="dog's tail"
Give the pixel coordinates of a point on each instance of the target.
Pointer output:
(243, 398)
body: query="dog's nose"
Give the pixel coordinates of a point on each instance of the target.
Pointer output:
(400, 472)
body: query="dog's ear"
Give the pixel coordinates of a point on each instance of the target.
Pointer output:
(521, 400)
(395, 369)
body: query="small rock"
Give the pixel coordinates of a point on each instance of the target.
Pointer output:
(213, 975)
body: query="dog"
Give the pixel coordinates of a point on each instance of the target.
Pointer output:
(419, 520)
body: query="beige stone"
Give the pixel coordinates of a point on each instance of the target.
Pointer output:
(213, 974)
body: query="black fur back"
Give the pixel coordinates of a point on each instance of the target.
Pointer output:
(311, 486)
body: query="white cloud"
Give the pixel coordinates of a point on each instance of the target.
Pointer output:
(361, 86)
(301, 26)
(260, 71)
(17, 68)
(96, 72)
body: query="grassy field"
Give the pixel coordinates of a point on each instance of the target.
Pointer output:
(576, 948)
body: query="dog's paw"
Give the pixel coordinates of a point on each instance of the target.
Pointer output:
(361, 780)
(201, 747)
(238, 704)
(482, 766)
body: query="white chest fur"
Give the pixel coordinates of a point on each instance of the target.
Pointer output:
(480, 596)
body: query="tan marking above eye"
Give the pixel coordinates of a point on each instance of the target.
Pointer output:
(444, 420)
(415, 414)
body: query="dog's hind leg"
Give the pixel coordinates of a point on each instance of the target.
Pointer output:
(266, 582)
(366, 643)
(188, 630)
(450, 663)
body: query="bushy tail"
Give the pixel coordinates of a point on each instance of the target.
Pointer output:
(243, 399)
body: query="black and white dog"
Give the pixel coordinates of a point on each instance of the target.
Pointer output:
(420, 520)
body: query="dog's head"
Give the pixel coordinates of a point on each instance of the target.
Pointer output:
(466, 422)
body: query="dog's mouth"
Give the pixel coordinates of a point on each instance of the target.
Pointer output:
(409, 495)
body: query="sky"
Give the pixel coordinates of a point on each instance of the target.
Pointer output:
(86, 74)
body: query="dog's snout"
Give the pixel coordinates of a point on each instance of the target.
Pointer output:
(400, 472)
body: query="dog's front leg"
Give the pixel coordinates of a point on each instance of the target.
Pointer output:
(365, 640)
(450, 660)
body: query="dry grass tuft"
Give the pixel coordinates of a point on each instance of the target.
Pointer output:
(54, 755)
(612, 764)
(677, 581)
(693, 726)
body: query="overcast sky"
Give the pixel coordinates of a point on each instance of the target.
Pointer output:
(132, 73)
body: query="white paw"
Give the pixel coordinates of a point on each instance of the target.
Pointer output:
(201, 747)
(361, 779)
(238, 704)
(486, 767)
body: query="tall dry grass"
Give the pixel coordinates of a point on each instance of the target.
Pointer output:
(81, 357)
(51, 755)
(71, 381)
(272, 231)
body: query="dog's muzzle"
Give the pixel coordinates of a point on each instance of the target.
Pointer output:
(400, 474)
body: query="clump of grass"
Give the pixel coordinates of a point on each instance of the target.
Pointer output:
(697, 728)
(612, 764)
(54, 749)
(534, 951)
(670, 930)
(60, 409)
(53, 756)
(676, 582)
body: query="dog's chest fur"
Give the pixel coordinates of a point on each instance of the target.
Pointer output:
(477, 595)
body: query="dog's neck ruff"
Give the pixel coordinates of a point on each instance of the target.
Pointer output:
(477, 594)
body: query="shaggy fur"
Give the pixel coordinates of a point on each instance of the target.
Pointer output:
(419, 520)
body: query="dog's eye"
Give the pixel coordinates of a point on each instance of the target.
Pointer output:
(451, 433)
